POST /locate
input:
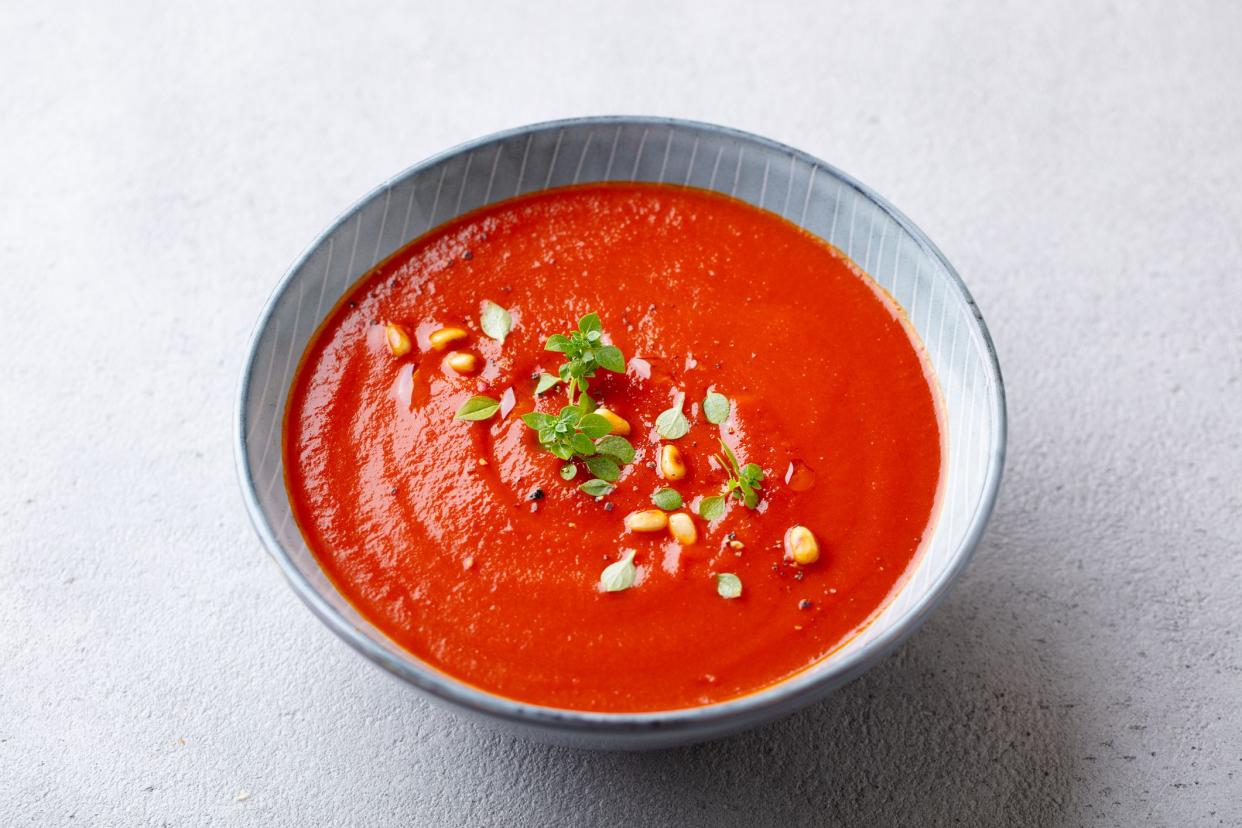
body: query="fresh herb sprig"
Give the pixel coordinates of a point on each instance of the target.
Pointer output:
(667, 499)
(672, 423)
(495, 321)
(745, 481)
(712, 508)
(571, 432)
(619, 576)
(478, 407)
(585, 353)
(545, 383)
(577, 434)
(728, 585)
(716, 408)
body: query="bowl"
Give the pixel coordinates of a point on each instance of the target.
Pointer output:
(769, 175)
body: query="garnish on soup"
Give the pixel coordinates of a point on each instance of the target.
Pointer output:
(484, 474)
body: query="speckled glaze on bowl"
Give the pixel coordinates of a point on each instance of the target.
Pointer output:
(771, 176)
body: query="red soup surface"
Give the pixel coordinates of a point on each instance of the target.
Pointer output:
(463, 541)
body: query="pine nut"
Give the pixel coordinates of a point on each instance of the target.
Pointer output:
(801, 546)
(398, 340)
(619, 425)
(463, 362)
(647, 520)
(442, 338)
(672, 466)
(681, 527)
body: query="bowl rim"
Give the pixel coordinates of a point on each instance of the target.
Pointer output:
(772, 701)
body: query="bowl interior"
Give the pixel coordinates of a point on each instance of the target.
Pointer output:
(770, 176)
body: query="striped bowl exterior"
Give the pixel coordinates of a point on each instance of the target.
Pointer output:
(768, 175)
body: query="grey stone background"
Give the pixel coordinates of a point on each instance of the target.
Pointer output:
(161, 164)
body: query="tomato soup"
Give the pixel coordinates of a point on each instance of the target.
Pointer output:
(616, 448)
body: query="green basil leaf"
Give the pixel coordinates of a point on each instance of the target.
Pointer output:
(538, 420)
(582, 445)
(620, 575)
(610, 358)
(603, 467)
(728, 585)
(667, 499)
(593, 425)
(617, 447)
(716, 408)
(557, 343)
(672, 424)
(477, 408)
(495, 321)
(596, 488)
(546, 381)
(589, 323)
(568, 471)
(752, 473)
(562, 451)
(712, 508)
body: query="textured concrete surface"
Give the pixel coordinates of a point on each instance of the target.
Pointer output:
(163, 163)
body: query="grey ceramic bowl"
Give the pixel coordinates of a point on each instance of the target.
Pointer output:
(773, 177)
